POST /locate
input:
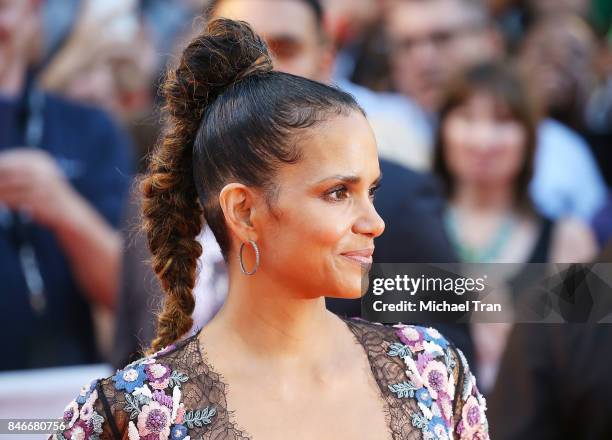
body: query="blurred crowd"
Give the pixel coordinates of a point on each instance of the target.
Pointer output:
(505, 104)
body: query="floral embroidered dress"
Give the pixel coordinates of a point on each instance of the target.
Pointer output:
(424, 381)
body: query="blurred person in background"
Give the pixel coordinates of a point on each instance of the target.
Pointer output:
(544, 8)
(554, 383)
(554, 379)
(409, 202)
(106, 60)
(430, 41)
(562, 56)
(113, 53)
(347, 23)
(360, 67)
(484, 155)
(64, 173)
(514, 17)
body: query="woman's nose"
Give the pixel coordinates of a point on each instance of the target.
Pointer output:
(369, 222)
(483, 136)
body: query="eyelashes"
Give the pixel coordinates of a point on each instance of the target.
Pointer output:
(343, 191)
(374, 189)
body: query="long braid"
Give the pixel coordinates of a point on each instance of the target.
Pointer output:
(172, 220)
(229, 118)
(173, 217)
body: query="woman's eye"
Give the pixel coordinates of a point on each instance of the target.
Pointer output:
(342, 193)
(338, 194)
(373, 191)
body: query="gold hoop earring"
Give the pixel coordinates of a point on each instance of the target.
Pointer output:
(256, 249)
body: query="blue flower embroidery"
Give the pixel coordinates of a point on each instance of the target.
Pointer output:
(424, 397)
(437, 425)
(433, 335)
(85, 392)
(130, 378)
(179, 432)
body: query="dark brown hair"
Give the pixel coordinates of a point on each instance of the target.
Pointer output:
(506, 87)
(229, 118)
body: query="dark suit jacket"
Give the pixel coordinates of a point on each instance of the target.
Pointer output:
(554, 380)
(554, 383)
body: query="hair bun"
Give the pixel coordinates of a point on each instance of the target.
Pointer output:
(226, 52)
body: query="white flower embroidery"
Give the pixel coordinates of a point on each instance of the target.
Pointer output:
(74, 408)
(144, 390)
(176, 400)
(130, 375)
(133, 431)
(411, 333)
(433, 333)
(433, 348)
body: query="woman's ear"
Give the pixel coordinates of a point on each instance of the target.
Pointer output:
(238, 204)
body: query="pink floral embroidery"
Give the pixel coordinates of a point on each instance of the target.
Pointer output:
(154, 419)
(431, 381)
(158, 375)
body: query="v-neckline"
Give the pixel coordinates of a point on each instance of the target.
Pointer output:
(348, 322)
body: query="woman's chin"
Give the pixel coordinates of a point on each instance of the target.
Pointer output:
(352, 291)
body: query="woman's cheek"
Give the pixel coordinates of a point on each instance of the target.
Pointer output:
(514, 147)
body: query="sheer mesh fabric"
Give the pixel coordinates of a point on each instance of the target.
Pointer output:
(389, 370)
(205, 387)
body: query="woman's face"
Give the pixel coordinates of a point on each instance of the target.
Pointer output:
(324, 212)
(483, 144)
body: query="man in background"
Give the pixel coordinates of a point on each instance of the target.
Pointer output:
(430, 41)
(64, 171)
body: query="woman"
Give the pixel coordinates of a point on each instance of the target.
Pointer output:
(284, 170)
(484, 156)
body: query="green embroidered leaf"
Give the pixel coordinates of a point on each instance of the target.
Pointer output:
(131, 405)
(97, 420)
(419, 421)
(449, 361)
(141, 400)
(403, 389)
(200, 417)
(397, 349)
(467, 386)
(176, 378)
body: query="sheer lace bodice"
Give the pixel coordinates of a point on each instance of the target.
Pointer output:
(423, 379)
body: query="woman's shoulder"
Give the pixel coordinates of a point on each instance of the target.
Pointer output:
(419, 364)
(152, 396)
(417, 338)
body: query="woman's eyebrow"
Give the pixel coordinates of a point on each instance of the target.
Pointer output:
(348, 179)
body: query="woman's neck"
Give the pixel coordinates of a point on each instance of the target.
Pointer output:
(265, 319)
(490, 199)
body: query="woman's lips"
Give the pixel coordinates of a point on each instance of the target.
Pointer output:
(362, 257)
(360, 260)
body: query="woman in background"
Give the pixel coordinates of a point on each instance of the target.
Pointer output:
(484, 156)
(283, 169)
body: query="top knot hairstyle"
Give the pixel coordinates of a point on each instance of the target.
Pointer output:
(230, 118)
